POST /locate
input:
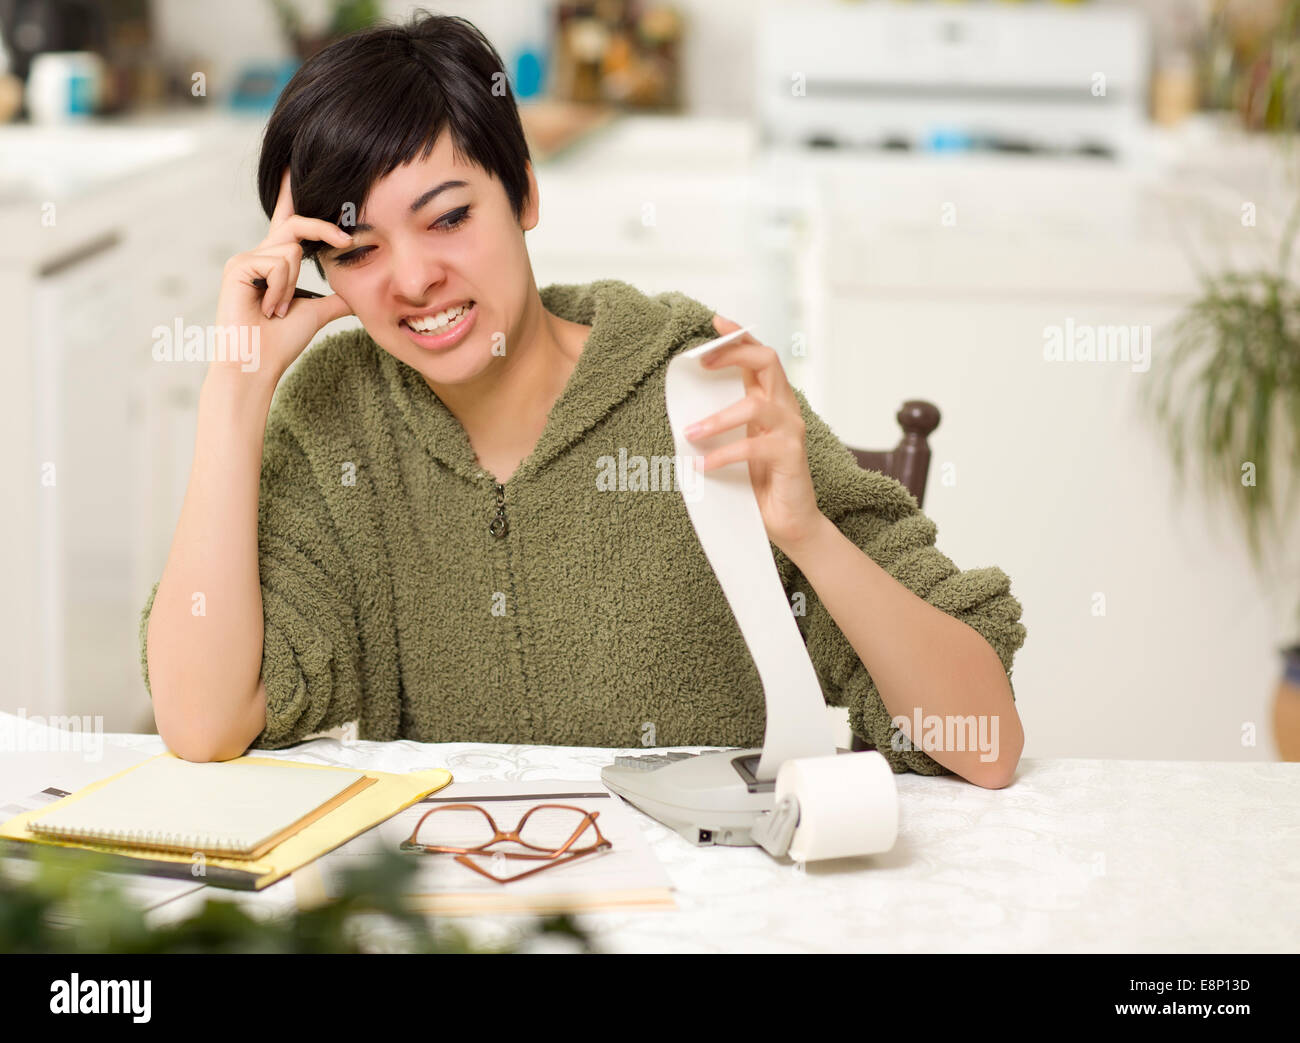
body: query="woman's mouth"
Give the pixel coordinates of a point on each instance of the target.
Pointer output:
(434, 336)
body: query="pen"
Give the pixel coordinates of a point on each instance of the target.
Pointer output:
(260, 284)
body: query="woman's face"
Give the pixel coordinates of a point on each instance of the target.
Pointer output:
(435, 234)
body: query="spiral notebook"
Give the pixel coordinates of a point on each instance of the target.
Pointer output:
(226, 810)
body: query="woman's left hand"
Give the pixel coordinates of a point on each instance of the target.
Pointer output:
(775, 447)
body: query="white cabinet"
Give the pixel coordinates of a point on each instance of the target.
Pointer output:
(714, 236)
(111, 453)
(652, 193)
(102, 435)
(1148, 636)
(83, 469)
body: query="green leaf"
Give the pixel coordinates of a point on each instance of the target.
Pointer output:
(62, 887)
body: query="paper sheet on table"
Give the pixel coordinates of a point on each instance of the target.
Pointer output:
(730, 527)
(628, 876)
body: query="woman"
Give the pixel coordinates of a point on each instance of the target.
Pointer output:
(416, 535)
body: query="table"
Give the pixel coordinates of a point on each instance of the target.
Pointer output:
(1074, 856)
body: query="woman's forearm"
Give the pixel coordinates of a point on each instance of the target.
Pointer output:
(925, 663)
(204, 650)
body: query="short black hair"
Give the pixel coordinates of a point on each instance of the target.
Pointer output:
(378, 98)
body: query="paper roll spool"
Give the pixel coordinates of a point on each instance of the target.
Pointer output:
(848, 805)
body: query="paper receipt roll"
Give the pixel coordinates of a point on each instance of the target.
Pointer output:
(730, 526)
(848, 805)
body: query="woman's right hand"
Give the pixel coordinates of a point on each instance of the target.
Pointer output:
(277, 259)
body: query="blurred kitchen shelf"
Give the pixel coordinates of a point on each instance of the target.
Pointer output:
(668, 144)
(552, 127)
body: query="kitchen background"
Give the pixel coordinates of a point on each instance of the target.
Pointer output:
(909, 200)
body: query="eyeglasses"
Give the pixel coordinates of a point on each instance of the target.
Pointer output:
(542, 829)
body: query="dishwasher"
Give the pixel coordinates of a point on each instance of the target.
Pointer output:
(84, 388)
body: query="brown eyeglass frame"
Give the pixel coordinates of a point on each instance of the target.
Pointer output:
(554, 856)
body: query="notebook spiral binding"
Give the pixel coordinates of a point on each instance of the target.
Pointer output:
(142, 837)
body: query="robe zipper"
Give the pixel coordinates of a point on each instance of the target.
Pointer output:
(498, 526)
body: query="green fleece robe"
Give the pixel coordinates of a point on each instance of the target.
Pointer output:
(592, 617)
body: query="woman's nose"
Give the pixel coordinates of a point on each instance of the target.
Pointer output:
(414, 272)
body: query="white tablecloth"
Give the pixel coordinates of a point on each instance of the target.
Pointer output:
(1074, 856)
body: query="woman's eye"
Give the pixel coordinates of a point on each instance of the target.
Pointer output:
(452, 220)
(352, 258)
(447, 223)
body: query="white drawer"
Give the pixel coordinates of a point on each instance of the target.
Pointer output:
(640, 216)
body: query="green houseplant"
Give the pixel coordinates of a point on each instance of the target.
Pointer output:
(1228, 394)
(65, 906)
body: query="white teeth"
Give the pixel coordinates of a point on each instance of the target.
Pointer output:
(437, 322)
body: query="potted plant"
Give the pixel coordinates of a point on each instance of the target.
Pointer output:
(1236, 350)
(347, 16)
(63, 905)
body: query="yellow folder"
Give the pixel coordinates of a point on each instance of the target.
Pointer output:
(387, 795)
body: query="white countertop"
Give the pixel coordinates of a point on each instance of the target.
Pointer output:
(61, 160)
(1206, 144)
(1074, 856)
(1206, 155)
